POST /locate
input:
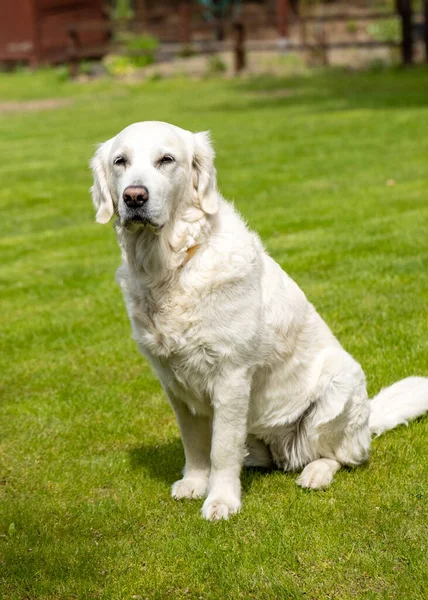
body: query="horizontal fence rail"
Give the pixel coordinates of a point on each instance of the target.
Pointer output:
(304, 39)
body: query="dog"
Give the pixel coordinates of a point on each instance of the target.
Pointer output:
(252, 372)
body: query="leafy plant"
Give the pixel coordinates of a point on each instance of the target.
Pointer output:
(138, 43)
(216, 65)
(122, 10)
(387, 30)
(119, 65)
(139, 49)
(351, 27)
(135, 52)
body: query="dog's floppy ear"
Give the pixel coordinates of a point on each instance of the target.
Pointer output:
(101, 196)
(204, 175)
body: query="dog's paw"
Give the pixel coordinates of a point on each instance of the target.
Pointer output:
(216, 508)
(318, 474)
(190, 487)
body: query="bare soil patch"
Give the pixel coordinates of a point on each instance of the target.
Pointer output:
(33, 105)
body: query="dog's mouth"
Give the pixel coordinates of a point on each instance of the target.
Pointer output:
(135, 222)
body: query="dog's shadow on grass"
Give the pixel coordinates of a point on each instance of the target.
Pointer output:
(164, 461)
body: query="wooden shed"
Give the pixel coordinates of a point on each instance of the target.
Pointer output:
(38, 31)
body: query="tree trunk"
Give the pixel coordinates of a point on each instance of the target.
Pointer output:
(404, 9)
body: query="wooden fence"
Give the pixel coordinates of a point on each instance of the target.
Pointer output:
(189, 29)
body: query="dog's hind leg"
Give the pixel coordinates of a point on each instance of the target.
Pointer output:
(319, 473)
(340, 423)
(343, 442)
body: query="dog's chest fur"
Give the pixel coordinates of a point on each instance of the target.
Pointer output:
(170, 328)
(164, 325)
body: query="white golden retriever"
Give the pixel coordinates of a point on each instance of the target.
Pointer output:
(253, 373)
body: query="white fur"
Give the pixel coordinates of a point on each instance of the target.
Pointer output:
(251, 370)
(399, 403)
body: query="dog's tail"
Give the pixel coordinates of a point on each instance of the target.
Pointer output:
(399, 403)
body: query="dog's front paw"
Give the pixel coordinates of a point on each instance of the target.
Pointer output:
(216, 508)
(190, 487)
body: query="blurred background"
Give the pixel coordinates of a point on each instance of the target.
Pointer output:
(123, 36)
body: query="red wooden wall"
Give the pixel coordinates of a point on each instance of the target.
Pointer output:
(36, 31)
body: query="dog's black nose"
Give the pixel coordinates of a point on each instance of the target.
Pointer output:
(135, 196)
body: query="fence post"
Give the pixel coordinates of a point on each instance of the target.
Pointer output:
(239, 46)
(73, 50)
(185, 14)
(426, 29)
(282, 9)
(404, 9)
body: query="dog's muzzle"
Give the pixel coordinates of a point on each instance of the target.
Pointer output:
(135, 196)
(136, 214)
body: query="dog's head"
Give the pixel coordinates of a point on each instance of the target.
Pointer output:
(148, 170)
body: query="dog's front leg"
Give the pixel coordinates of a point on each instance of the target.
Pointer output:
(196, 437)
(230, 402)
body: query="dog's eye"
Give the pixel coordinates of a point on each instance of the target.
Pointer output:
(166, 159)
(119, 161)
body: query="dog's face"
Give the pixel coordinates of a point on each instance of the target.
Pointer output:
(148, 169)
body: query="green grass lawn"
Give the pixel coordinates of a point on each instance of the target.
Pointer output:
(89, 446)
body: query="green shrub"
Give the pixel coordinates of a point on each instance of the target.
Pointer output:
(140, 49)
(62, 73)
(351, 27)
(132, 43)
(119, 65)
(135, 52)
(387, 30)
(142, 43)
(216, 65)
(122, 10)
